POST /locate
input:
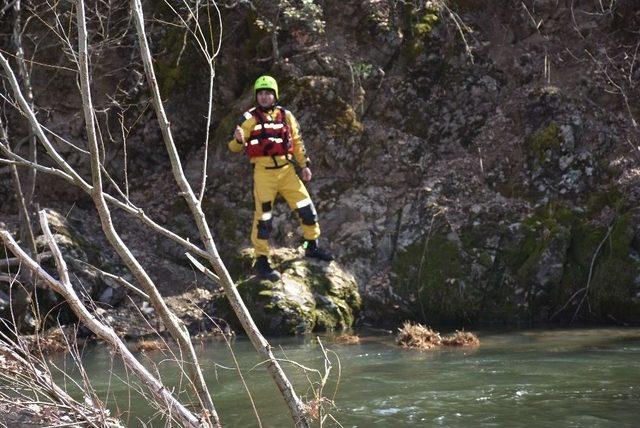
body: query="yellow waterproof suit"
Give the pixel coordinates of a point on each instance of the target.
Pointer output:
(273, 175)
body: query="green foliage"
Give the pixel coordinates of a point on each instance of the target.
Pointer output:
(417, 23)
(303, 13)
(363, 70)
(174, 67)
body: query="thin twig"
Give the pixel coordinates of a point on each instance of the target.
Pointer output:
(593, 261)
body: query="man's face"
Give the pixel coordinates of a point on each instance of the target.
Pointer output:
(266, 98)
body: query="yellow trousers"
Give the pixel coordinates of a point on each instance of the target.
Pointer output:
(267, 183)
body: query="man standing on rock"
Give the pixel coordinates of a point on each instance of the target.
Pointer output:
(270, 136)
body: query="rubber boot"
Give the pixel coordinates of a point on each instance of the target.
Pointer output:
(264, 269)
(313, 251)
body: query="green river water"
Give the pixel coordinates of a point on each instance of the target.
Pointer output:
(546, 378)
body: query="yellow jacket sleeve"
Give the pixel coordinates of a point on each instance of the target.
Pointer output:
(299, 152)
(247, 126)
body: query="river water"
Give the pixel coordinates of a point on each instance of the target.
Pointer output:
(560, 378)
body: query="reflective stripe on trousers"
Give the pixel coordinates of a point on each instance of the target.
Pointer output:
(267, 184)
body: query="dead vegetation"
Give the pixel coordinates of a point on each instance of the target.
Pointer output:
(347, 339)
(146, 345)
(418, 336)
(30, 397)
(50, 342)
(461, 338)
(314, 407)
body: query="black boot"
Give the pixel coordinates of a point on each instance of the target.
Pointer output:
(264, 269)
(313, 251)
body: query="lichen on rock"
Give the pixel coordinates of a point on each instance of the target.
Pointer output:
(312, 296)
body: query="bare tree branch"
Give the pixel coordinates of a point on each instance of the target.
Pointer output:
(14, 261)
(173, 324)
(26, 230)
(76, 179)
(30, 183)
(259, 342)
(65, 289)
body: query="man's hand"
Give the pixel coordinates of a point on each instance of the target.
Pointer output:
(239, 134)
(306, 174)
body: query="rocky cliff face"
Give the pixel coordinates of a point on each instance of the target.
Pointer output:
(472, 164)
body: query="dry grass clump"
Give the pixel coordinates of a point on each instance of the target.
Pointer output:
(347, 339)
(461, 338)
(146, 345)
(50, 345)
(313, 408)
(417, 336)
(53, 341)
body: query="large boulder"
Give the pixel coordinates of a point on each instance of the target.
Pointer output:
(312, 296)
(86, 269)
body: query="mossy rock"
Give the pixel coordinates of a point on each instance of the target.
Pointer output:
(601, 263)
(611, 198)
(417, 24)
(82, 257)
(172, 75)
(433, 276)
(462, 6)
(257, 43)
(71, 242)
(224, 130)
(580, 252)
(225, 224)
(322, 93)
(544, 141)
(178, 64)
(312, 296)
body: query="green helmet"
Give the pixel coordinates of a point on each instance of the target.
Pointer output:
(265, 82)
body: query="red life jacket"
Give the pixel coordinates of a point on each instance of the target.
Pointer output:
(269, 137)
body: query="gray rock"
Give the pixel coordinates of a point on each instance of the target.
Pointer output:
(567, 137)
(564, 162)
(4, 302)
(310, 296)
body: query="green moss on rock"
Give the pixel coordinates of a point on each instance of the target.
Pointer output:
(337, 116)
(601, 259)
(539, 143)
(539, 265)
(557, 235)
(173, 74)
(433, 276)
(224, 130)
(417, 23)
(612, 198)
(310, 297)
